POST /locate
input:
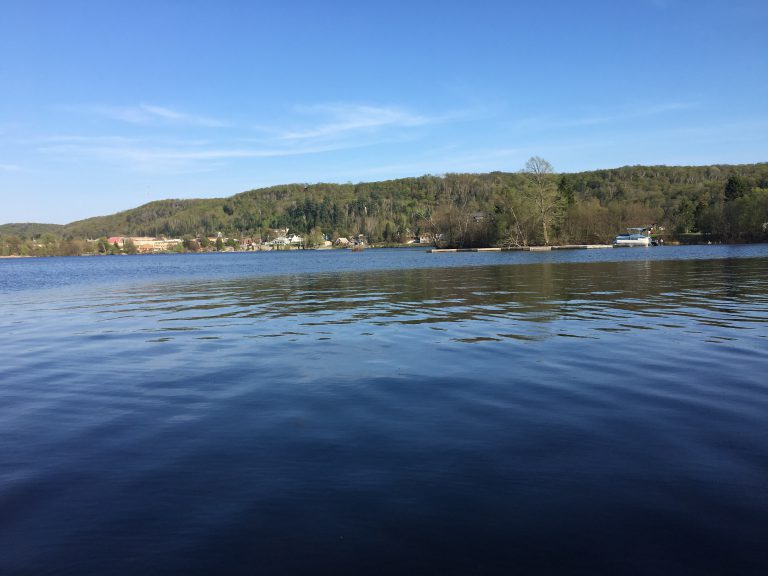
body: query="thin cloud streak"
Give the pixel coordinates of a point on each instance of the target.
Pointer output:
(549, 123)
(344, 119)
(74, 138)
(630, 115)
(137, 153)
(152, 114)
(334, 127)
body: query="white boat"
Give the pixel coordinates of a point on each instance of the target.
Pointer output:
(633, 237)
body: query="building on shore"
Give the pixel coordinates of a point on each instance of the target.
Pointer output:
(146, 244)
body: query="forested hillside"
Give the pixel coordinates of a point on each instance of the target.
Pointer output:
(726, 203)
(30, 229)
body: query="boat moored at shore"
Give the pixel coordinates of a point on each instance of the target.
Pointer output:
(634, 237)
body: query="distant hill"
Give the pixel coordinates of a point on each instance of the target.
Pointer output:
(599, 202)
(169, 217)
(30, 229)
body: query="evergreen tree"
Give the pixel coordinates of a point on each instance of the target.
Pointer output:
(735, 187)
(566, 191)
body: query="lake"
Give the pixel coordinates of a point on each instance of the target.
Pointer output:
(386, 412)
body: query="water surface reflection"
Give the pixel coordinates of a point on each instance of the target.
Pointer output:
(495, 301)
(549, 418)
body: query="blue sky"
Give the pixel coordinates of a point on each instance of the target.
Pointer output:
(107, 105)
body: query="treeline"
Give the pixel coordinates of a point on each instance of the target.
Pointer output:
(46, 244)
(722, 203)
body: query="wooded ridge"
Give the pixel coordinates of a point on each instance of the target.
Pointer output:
(727, 203)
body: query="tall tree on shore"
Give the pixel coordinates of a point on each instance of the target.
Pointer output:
(542, 191)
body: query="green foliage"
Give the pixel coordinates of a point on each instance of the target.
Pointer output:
(30, 229)
(314, 238)
(745, 218)
(735, 188)
(684, 216)
(11, 245)
(542, 194)
(722, 202)
(129, 247)
(190, 244)
(566, 191)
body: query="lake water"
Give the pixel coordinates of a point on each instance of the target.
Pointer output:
(386, 412)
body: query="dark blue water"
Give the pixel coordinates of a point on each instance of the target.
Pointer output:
(386, 412)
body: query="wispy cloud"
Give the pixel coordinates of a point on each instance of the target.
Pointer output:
(158, 156)
(616, 116)
(79, 139)
(10, 168)
(310, 129)
(152, 114)
(630, 114)
(332, 121)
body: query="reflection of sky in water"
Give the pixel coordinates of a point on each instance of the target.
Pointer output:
(618, 296)
(122, 273)
(414, 316)
(432, 413)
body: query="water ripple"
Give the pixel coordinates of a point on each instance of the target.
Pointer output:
(613, 411)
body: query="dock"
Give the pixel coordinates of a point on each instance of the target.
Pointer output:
(524, 248)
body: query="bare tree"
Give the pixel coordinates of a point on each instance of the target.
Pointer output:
(542, 191)
(517, 235)
(430, 224)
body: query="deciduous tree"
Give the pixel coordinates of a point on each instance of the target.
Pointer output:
(542, 191)
(129, 247)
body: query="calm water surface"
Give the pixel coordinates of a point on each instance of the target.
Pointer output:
(386, 412)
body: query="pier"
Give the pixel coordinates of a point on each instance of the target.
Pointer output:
(525, 248)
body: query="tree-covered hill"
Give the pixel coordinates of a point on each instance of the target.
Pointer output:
(30, 229)
(536, 205)
(152, 219)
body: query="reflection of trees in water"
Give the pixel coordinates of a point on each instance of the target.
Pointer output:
(646, 291)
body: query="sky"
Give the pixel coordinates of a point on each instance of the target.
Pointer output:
(107, 105)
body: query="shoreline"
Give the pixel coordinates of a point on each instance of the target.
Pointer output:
(526, 248)
(428, 249)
